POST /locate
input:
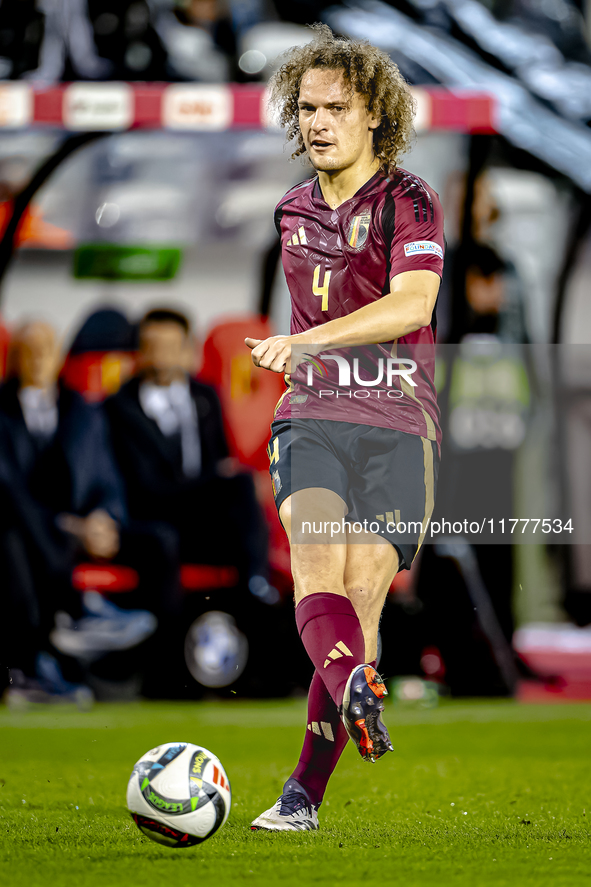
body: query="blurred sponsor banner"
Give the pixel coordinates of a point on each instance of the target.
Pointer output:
(198, 106)
(98, 106)
(108, 261)
(16, 105)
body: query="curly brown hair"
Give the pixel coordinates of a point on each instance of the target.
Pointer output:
(366, 70)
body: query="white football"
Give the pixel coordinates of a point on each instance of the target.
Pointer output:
(179, 794)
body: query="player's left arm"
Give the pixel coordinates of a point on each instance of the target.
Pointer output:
(406, 308)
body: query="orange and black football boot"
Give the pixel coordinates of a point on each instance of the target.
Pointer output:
(361, 713)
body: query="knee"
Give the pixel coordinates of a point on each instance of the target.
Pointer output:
(368, 595)
(359, 589)
(360, 594)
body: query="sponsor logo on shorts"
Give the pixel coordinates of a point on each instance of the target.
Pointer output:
(416, 247)
(276, 483)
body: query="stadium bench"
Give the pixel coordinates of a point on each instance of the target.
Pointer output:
(115, 578)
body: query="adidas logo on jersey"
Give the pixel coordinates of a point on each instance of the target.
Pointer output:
(298, 238)
(322, 729)
(338, 651)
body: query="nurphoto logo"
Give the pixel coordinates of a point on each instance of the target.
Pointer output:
(386, 370)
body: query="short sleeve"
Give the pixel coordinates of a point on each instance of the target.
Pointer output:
(417, 244)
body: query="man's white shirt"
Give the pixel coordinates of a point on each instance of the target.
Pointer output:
(173, 410)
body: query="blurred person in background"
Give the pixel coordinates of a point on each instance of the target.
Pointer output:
(169, 441)
(63, 40)
(62, 502)
(200, 40)
(56, 41)
(123, 33)
(486, 390)
(481, 290)
(21, 35)
(494, 303)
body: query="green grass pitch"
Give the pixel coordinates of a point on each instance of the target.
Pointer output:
(477, 793)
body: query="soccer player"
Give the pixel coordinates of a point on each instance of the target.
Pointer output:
(362, 249)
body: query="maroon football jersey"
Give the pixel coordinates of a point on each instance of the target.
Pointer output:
(335, 262)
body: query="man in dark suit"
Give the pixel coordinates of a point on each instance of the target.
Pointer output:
(168, 437)
(61, 500)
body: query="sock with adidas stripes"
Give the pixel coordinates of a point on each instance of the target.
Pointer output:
(324, 741)
(331, 633)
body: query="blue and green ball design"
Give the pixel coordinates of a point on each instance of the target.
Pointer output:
(179, 794)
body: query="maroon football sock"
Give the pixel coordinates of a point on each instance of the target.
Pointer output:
(331, 633)
(324, 741)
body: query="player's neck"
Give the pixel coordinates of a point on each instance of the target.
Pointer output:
(342, 184)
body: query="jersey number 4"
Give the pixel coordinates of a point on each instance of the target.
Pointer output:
(321, 289)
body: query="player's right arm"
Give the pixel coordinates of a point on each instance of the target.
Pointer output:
(406, 308)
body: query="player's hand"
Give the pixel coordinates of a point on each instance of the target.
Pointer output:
(272, 354)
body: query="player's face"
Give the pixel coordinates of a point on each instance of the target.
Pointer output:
(336, 127)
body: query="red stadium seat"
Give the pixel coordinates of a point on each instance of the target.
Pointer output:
(105, 578)
(248, 397)
(201, 577)
(114, 578)
(97, 374)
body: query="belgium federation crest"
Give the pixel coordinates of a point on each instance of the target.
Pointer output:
(358, 230)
